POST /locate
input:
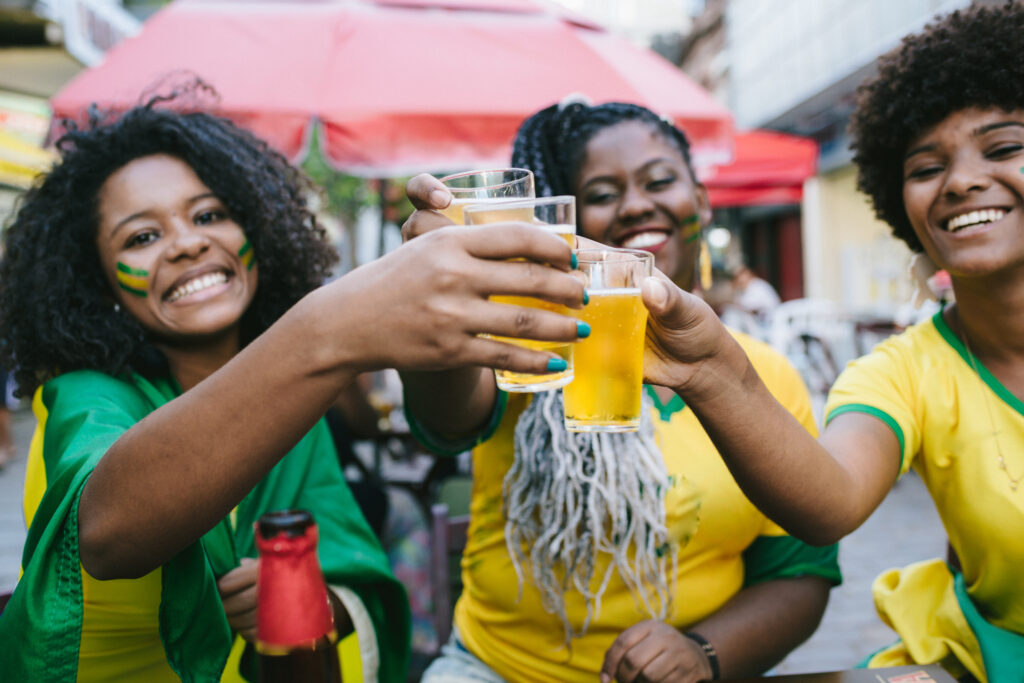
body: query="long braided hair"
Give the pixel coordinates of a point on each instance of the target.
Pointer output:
(574, 499)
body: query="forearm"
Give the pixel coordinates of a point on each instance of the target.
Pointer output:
(452, 403)
(761, 624)
(781, 468)
(175, 474)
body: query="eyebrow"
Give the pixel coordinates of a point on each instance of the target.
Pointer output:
(652, 162)
(141, 214)
(976, 133)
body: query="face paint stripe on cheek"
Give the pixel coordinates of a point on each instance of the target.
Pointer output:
(133, 280)
(247, 255)
(691, 229)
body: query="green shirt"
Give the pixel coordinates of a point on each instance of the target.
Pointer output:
(173, 617)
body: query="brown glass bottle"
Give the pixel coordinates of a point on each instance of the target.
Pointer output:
(295, 634)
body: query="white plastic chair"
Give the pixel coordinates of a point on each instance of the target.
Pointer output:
(817, 336)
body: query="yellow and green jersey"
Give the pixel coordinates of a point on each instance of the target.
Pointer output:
(734, 545)
(948, 418)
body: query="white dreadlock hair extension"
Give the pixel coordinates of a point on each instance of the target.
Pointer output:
(571, 497)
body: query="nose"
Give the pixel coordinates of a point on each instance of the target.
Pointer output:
(187, 241)
(965, 175)
(635, 204)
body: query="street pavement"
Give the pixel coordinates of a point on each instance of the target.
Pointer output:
(904, 529)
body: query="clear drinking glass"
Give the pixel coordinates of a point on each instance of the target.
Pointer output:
(556, 215)
(485, 187)
(605, 394)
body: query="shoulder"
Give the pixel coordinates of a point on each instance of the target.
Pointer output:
(83, 388)
(769, 363)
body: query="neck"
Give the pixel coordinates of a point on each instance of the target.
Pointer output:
(192, 361)
(989, 314)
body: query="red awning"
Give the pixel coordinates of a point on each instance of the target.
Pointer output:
(769, 168)
(396, 85)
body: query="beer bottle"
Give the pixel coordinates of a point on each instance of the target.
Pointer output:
(295, 633)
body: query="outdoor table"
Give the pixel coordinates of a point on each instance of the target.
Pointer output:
(931, 673)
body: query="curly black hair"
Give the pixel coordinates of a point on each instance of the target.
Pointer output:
(552, 143)
(57, 309)
(970, 58)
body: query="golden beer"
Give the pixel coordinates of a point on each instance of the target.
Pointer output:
(521, 381)
(454, 211)
(605, 394)
(556, 215)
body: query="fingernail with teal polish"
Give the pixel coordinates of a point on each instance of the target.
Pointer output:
(574, 262)
(586, 298)
(557, 365)
(582, 329)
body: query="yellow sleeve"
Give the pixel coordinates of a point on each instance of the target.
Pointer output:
(883, 384)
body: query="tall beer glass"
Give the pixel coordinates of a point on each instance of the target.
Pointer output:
(556, 215)
(605, 395)
(486, 187)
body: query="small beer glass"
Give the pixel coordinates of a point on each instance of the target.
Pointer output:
(605, 394)
(556, 215)
(485, 187)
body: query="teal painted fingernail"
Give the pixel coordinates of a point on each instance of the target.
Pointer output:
(574, 262)
(586, 298)
(582, 329)
(557, 365)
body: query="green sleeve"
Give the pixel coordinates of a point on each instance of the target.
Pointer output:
(785, 557)
(439, 445)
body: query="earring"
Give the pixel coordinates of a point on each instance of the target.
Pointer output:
(117, 307)
(704, 263)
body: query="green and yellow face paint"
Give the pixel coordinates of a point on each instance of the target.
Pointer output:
(691, 229)
(133, 280)
(247, 255)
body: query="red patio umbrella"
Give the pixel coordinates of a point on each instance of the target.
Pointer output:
(768, 168)
(397, 85)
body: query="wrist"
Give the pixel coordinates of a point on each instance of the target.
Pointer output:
(709, 654)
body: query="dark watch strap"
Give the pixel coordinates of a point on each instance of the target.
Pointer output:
(709, 652)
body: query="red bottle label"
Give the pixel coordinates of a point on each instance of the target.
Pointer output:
(294, 610)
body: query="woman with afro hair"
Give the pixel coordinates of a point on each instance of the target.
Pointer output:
(161, 301)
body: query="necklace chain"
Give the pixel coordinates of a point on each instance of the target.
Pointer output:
(1014, 481)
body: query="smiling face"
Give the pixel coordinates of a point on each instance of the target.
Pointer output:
(635, 190)
(963, 190)
(174, 258)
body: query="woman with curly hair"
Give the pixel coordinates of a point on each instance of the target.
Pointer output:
(939, 142)
(631, 591)
(160, 299)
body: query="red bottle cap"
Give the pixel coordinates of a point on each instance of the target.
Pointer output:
(294, 610)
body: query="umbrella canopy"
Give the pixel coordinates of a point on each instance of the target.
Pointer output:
(768, 168)
(398, 86)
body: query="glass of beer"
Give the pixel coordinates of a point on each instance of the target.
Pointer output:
(486, 187)
(556, 215)
(605, 395)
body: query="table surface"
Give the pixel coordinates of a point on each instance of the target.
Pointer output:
(892, 674)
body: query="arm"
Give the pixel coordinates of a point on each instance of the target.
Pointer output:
(756, 629)
(817, 490)
(176, 473)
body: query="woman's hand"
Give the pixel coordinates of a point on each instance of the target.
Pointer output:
(428, 195)
(652, 651)
(424, 305)
(686, 342)
(238, 593)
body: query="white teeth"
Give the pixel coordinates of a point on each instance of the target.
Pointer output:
(197, 284)
(973, 218)
(644, 239)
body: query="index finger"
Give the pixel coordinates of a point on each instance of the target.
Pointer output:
(427, 192)
(519, 240)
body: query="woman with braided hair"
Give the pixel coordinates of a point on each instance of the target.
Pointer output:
(632, 587)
